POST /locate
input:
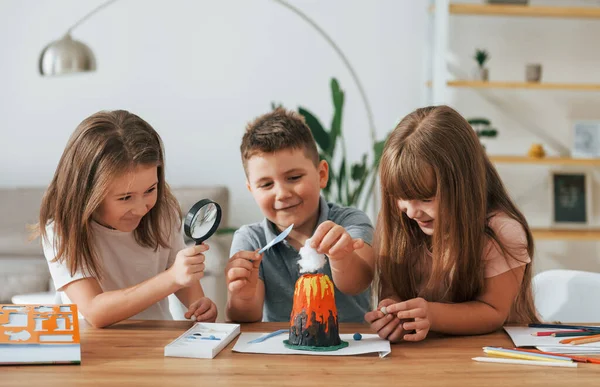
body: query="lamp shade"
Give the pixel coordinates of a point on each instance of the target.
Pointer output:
(65, 56)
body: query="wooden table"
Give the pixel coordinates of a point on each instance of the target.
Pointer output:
(131, 353)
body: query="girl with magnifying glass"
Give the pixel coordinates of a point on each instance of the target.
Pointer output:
(111, 228)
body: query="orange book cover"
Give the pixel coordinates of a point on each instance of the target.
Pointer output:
(39, 334)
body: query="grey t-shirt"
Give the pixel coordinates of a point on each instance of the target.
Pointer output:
(279, 267)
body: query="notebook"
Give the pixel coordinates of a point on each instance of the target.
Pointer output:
(521, 337)
(39, 334)
(203, 340)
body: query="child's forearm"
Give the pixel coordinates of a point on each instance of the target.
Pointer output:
(465, 318)
(244, 310)
(110, 307)
(189, 294)
(351, 275)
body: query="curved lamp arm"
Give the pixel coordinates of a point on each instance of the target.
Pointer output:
(312, 23)
(90, 14)
(344, 59)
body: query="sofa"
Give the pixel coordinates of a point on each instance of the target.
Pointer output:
(24, 275)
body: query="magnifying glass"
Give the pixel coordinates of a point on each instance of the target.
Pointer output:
(202, 220)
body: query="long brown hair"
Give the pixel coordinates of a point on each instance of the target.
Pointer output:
(104, 146)
(434, 152)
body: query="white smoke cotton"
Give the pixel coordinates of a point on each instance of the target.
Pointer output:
(310, 261)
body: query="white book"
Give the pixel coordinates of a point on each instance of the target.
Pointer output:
(39, 334)
(203, 340)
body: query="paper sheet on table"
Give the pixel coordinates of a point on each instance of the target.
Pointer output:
(521, 337)
(369, 343)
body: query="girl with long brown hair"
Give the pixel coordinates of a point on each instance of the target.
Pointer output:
(111, 228)
(454, 252)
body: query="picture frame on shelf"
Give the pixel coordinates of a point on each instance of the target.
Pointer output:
(586, 139)
(571, 198)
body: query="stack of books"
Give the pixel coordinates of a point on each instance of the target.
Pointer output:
(39, 334)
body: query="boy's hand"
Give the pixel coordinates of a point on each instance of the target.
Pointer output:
(334, 241)
(202, 310)
(387, 326)
(241, 273)
(189, 265)
(417, 309)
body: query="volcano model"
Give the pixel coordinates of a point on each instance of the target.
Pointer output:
(314, 321)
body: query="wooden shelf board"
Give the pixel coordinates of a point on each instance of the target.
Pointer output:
(525, 11)
(525, 85)
(566, 234)
(544, 160)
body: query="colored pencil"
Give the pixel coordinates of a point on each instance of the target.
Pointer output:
(581, 359)
(560, 326)
(581, 340)
(526, 362)
(502, 352)
(573, 334)
(586, 340)
(551, 333)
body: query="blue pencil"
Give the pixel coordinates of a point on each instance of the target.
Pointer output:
(561, 326)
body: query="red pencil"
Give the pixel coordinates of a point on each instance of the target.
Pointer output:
(550, 333)
(580, 359)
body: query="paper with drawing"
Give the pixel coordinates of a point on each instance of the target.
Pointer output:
(369, 343)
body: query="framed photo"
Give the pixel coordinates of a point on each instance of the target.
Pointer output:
(586, 139)
(571, 198)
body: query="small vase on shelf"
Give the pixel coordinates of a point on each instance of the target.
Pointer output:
(536, 151)
(481, 73)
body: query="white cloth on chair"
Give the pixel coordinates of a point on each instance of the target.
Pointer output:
(567, 295)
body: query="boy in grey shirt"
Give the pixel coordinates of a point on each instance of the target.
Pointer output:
(285, 177)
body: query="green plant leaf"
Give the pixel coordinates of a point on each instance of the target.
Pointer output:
(337, 96)
(356, 194)
(225, 230)
(319, 133)
(478, 121)
(487, 133)
(340, 181)
(327, 190)
(481, 56)
(358, 170)
(378, 151)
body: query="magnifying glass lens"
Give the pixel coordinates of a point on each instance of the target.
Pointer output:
(202, 220)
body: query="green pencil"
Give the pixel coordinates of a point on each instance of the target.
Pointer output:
(572, 334)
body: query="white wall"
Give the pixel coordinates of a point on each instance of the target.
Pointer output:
(198, 71)
(569, 52)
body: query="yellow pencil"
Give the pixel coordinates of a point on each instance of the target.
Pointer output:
(522, 356)
(581, 340)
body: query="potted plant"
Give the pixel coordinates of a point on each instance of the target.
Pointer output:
(482, 127)
(481, 72)
(350, 184)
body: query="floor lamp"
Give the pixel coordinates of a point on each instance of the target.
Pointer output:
(67, 55)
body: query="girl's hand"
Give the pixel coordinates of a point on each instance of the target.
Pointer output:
(334, 241)
(203, 310)
(417, 309)
(189, 265)
(387, 326)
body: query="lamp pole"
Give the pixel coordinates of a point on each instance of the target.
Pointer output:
(69, 56)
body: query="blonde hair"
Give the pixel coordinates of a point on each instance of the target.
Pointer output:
(434, 152)
(104, 146)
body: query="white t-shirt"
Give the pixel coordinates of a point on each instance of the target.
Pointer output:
(124, 264)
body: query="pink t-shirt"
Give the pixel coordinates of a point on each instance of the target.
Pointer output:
(514, 239)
